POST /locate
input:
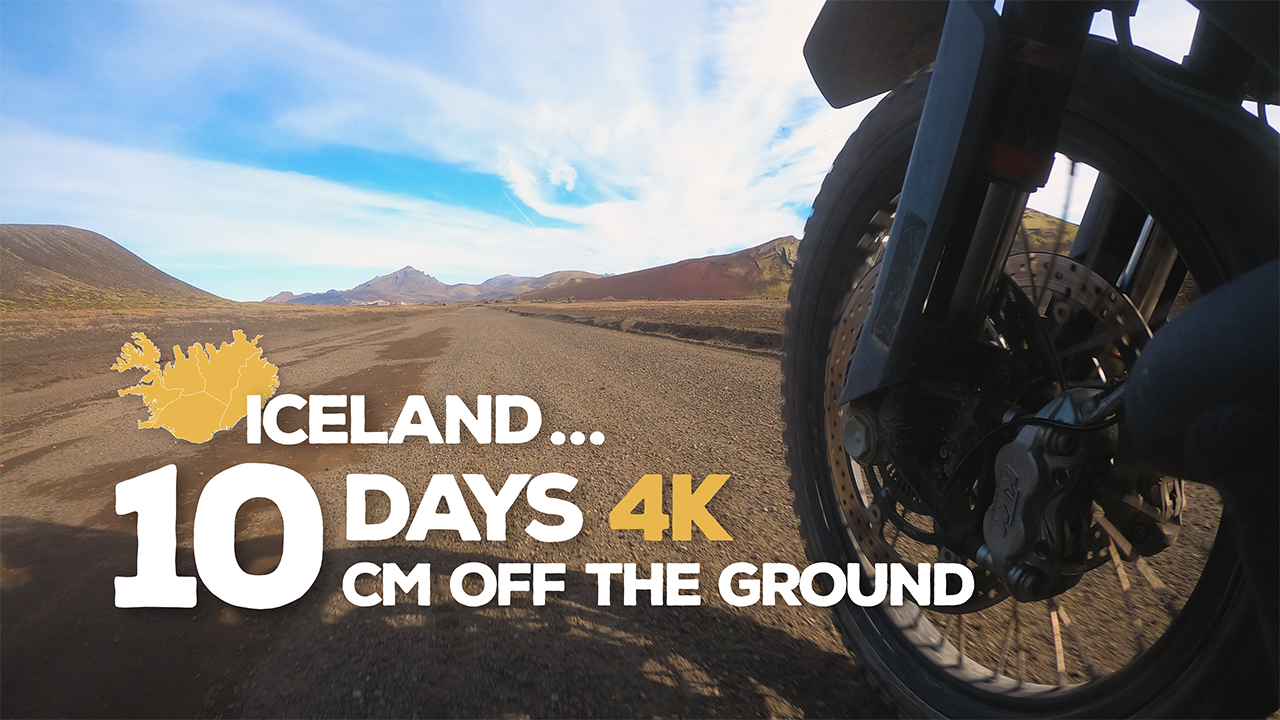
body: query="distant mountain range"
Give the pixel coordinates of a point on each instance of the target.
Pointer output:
(60, 267)
(54, 266)
(761, 271)
(410, 286)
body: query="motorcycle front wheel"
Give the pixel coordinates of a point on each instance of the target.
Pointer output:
(1170, 635)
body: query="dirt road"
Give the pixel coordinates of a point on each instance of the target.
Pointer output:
(663, 406)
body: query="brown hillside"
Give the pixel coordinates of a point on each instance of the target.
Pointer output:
(763, 271)
(1045, 233)
(54, 266)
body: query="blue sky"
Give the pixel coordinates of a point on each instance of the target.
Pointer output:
(250, 148)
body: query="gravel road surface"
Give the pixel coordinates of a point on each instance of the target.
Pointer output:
(663, 406)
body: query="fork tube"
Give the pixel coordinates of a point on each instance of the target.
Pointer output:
(1041, 46)
(1148, 269)
(1112, 222)
(993, 237)
(1125, 283)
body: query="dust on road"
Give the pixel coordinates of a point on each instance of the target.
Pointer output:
(664, 407)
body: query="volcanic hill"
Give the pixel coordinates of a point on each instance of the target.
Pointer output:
(763, 271)
(60, 267)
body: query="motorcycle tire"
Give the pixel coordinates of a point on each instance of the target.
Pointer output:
(1214, 191)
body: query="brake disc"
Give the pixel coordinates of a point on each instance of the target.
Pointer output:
(1096, 333)
(868, 493)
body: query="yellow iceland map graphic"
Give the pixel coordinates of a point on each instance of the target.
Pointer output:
(202, 392)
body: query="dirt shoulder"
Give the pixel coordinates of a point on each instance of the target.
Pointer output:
(754, 325)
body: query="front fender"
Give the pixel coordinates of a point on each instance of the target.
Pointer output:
(857, 50)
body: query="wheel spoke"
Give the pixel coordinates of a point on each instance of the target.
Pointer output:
(1167, 599)
(1098, 342)
(1022, 663)
(946, 630)
(1082, 650)
(1022, 652)
(1062, 225)
(1031, 271)
(1058, 660)
(1118, 540)
(1066, 207)
(1135, 622)
(1007, 642)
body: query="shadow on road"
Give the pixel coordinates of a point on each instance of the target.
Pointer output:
(67, 651)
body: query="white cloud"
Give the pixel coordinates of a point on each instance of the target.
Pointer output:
(560, 172)
(667, 115)
(176, 211)
(657, 130)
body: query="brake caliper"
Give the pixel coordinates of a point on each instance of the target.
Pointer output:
(1039, 530)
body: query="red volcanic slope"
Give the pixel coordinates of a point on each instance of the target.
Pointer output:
(761, 271)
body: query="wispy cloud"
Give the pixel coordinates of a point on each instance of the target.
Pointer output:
(181, 211)
(651, 131)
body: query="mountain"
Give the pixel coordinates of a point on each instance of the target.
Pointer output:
(763, 271)
(55, 266)
(404, 285)
(411, 286)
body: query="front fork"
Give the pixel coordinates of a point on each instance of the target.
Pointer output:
(986, 139)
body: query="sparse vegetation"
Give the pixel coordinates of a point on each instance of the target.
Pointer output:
(52, 267)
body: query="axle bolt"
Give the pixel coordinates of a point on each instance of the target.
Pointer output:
(1026, 580)
(857, 439)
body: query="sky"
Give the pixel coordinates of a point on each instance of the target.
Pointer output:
(251, 148)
